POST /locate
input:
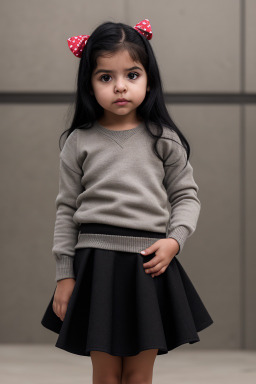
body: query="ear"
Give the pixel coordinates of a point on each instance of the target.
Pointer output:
(148, 88)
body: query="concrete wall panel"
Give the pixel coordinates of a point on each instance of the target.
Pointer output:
(196, 42)
(29, 158)
(34, 51)
(250, 228)
(212, 254)
(250, 46)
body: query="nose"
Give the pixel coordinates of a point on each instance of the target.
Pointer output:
(120, 86)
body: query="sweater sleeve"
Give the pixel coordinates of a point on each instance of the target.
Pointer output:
(66, 230)
(181, 190)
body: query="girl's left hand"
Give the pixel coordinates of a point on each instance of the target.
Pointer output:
(165, 250)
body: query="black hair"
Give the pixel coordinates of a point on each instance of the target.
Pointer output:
(112, 37)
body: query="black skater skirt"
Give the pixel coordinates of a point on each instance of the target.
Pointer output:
(116, 307)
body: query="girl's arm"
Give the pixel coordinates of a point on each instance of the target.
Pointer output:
(66, 230)
(182, 192)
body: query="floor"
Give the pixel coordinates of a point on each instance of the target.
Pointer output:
(40, 364)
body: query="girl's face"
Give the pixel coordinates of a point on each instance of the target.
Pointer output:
(119, 77)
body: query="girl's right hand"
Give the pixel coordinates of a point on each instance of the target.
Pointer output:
(62, 295)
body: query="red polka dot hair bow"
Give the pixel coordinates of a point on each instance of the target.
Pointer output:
(77, 43)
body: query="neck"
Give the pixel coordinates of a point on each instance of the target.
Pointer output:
(115, 121)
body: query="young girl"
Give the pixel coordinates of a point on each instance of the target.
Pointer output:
(122, 297)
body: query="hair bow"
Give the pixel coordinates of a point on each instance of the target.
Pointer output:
(77, 43)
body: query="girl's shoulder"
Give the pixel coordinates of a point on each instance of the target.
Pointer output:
(170, 146)
(70, 143)
(69, 153)
(167, 132)
(169, 140)
(170, 134)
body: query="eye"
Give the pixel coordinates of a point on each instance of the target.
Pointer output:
(131, 75)
(104, 76)
(134, 73)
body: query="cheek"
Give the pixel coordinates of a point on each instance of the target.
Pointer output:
(141, 93)
(142, 87)
(101, 94)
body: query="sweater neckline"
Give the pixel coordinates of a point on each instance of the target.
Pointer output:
(124, 132)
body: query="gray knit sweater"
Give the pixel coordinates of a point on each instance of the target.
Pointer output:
(114, 177)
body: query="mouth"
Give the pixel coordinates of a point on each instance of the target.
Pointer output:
(121, 101)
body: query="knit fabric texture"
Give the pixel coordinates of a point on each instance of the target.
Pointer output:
(114, 177)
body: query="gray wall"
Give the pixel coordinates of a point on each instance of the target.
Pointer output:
(207, 57)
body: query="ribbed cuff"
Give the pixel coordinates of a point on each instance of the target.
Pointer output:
(180, 234)
(64, 268)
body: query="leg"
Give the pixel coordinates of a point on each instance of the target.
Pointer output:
(107, 369)
(138, 369)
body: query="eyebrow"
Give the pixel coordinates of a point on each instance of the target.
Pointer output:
(109, 71)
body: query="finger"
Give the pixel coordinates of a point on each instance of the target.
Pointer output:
(63, 311)
(55, 307)
(153, 248)
(60, 312)
(155, 268)
(162, 270)
(152, 262)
